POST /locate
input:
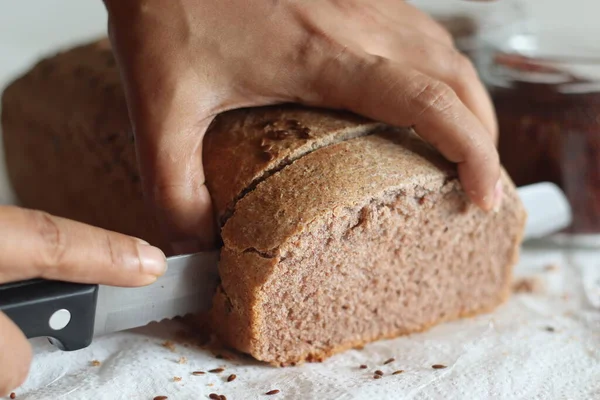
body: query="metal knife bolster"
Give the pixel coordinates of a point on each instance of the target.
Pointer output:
(187, 287)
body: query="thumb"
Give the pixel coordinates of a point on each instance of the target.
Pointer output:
(170, 160)
(169, 120)
(169, 137)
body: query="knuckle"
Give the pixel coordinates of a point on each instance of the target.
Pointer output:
(481, 150)
(439, 31)
(53, 240)
(444, 35)
(318, 56)
(463, 67)
(116, 258)
(367, 69)
(379, 83)
(433, 95)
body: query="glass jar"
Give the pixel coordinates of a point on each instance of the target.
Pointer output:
(546, 91)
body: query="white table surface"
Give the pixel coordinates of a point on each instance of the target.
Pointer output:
(508, 354)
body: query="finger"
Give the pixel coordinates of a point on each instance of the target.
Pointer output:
(453, 68)
(401, 96)
(15, 356)
(445, 64)
(166, 106)
(34, 244)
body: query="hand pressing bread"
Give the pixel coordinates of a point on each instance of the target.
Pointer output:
(185, 62)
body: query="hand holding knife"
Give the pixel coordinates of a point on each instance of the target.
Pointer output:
(72, 314)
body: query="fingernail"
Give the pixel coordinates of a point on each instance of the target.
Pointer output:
(153, 260)
(498, 195)
(186, 247)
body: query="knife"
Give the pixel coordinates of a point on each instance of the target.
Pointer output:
(72, 314)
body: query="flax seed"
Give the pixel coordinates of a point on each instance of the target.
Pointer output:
(272, 392)
(216, 370)
(168, 345)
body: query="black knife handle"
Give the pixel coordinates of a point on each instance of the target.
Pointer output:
(62, 311)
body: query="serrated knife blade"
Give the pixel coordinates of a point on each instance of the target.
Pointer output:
(187, 287)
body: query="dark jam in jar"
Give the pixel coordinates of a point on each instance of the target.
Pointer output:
(549, 124)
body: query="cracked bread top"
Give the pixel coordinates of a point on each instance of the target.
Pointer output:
(245, 146)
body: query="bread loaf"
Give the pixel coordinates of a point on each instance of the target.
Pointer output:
(337, 231)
